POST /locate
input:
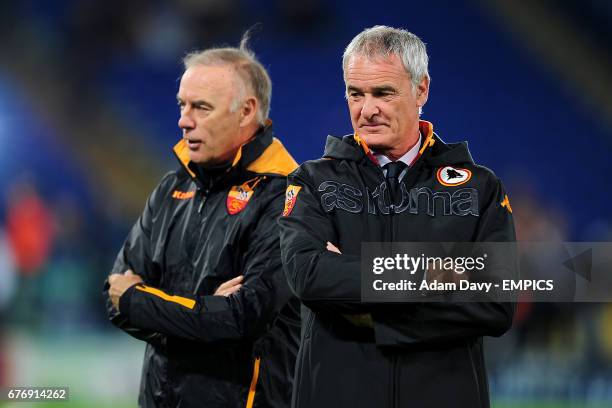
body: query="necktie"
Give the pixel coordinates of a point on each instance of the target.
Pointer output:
(394, 169)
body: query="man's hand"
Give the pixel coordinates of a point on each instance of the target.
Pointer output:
(120, 283)
(361, 320)
(332, 248)
(229, 287)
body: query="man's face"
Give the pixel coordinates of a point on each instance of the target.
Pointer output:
(205, 98)
(384, 107)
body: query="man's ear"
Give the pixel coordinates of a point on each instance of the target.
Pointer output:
(422, 92)
(248, 111)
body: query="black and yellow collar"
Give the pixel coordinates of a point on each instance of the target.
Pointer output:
(425, 127)
(263, 154)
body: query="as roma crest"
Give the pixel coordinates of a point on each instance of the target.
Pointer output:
(290, 198)
(239, 196)
(453, 176)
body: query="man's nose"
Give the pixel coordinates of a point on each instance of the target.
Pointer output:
(369, 108)
(185, 121)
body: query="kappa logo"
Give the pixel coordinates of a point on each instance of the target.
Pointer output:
(453, 176)
(290, 198)
(506, 203)
(239, 196)
(183, 195)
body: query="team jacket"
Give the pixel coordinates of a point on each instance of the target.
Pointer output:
(204, 350)
(411, 354)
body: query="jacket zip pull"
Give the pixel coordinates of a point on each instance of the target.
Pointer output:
(202, 202)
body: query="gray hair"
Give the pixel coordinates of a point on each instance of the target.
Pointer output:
(383, 41)
(250, 71)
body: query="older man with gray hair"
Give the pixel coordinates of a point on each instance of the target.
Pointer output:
(199, 278)
(393, 180)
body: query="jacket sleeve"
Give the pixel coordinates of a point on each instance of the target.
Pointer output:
(136, 254)
(440, 321)
(321, 279)
(208, 318)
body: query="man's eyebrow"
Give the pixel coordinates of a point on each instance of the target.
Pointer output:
(374, 90)
(199, 102)
(383, 88)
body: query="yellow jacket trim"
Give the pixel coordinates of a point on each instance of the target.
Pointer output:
(182, 152)
(429, 139)
(238, 156)
(251, 397)
(188, 303)
(361, 143)
(506, 203)
(274, 160)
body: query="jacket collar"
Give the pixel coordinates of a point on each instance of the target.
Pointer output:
(426, 129)
(262, 154)
(346, 148)
(353, 148)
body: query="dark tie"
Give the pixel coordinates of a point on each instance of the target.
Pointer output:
(394, 169)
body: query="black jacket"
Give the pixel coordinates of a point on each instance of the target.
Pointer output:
(411, 354)
(196, 232)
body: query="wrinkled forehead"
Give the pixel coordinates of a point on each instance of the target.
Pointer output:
(213, 79)
(378, 68)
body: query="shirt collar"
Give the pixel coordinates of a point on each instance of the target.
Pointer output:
(407, 158)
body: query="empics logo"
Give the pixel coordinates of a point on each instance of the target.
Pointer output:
(453, 176)
(290, 198)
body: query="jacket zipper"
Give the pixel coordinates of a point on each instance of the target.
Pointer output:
(395, 359)
(395, 386)
(394, 363)
(476, 381)
(204, 197)
(395, 393)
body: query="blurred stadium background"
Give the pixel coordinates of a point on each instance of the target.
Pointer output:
(88, 118)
